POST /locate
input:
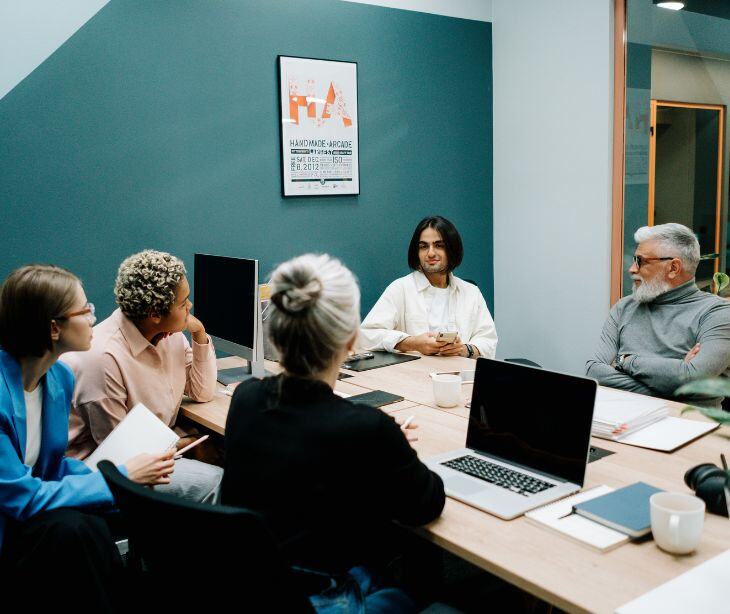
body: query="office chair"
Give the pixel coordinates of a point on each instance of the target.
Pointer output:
(195, 554)
(523, 361)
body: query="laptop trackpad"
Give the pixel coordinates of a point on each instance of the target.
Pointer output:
(463, 486)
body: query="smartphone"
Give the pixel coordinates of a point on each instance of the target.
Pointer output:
(447, 337)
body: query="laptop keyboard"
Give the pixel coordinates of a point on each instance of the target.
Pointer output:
(498, 475)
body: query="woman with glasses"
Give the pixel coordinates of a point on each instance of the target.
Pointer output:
(49, 539)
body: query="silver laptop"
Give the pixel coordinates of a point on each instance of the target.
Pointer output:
(527, 443)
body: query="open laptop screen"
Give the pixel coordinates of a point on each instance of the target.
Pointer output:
(538, 419)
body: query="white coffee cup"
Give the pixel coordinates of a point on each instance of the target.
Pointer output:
(446, 389)
(676, 521)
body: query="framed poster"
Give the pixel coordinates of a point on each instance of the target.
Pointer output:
(319, 127)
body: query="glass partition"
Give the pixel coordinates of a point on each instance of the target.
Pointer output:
(676, 134)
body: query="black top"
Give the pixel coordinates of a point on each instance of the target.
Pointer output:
(330, 475)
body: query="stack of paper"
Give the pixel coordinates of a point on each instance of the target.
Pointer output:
(618, 414)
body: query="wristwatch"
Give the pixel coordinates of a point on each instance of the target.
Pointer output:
(469, 349)
(621, 360)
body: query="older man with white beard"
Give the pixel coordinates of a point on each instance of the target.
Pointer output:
(667, 332)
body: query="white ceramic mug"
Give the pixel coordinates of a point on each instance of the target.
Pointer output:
(676, 521)
(446, 389)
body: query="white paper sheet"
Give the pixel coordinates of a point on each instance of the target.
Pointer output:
(669, 434)
(141, 431)
(701, 589)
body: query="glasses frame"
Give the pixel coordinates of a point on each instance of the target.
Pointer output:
(639, 260)
(89, 310)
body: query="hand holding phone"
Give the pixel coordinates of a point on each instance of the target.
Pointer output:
(447, 336)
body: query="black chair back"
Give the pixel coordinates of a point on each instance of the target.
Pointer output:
(197, 554)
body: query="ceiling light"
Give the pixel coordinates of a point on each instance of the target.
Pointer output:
(673, 6)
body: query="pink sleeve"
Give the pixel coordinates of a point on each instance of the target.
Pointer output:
(201, 371)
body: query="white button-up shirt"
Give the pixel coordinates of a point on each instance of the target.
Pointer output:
(401, 312)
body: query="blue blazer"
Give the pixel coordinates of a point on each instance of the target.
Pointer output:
(55, 480)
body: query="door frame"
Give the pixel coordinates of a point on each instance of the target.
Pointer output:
(720, 148)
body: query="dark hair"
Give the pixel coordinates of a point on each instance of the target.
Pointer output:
(449, 235)
(30, 298)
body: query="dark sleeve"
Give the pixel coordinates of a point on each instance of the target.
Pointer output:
(413, 493)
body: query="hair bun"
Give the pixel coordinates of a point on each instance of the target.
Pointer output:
(295, 300)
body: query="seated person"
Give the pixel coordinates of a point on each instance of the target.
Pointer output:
(414, 308)
(667, 332)
(49, 535)
(139, 355)
(329, 475)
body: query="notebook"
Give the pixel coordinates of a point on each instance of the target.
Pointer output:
(140, 431)
(375, 398)
(559, 517)
(625, 510)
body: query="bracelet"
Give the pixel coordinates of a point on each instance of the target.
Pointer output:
(470, 350)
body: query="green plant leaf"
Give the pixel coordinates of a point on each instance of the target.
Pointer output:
(718, 415)
(710, 387)
(721, 281)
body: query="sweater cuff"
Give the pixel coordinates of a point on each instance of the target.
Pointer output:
(202, 351)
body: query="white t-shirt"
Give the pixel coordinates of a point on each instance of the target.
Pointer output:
(437, 308)
(33, 424)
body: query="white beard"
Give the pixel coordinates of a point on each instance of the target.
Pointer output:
(647, 291)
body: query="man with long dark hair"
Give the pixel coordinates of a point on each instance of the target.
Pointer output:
(415, 308)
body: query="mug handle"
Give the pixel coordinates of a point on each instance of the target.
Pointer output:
(674, 529)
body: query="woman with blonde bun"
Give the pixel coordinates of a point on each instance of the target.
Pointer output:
(330, 475)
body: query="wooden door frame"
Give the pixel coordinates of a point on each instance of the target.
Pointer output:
(619, 154)
(720, 108)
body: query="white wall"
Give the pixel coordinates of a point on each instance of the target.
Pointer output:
(479, 10)
(553, 80)
(31, 30)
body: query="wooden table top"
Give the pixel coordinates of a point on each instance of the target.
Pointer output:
(566, 574)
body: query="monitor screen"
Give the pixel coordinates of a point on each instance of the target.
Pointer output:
(534, 418)
(225, 291)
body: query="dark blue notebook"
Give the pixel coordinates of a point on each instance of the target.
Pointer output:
(625, 510)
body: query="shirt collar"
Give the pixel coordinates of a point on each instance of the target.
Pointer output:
(135, 339)
(422, 282)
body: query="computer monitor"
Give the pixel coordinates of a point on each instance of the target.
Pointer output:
(227, 302)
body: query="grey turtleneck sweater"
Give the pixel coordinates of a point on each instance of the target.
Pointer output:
(657, 335)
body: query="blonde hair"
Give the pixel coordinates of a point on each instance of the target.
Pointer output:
(30, 298)
(315, 311)
(146, 283)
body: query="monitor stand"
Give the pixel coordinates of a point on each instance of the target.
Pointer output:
(241, 374)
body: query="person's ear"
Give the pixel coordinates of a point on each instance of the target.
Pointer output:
(353, 341)
(55, 331)
(155, 318)
(675, 268)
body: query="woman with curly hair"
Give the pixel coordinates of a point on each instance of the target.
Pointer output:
(139, 355)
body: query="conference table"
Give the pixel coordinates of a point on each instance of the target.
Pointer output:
(564, 573)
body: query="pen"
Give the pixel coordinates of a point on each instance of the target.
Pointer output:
(408, 421)
(179, 453)
(727, 491)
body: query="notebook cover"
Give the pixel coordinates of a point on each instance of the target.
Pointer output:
(379, 359)
(375, 398)
(625, 509)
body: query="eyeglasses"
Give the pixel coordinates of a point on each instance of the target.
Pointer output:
(89, 311)
(639, 260)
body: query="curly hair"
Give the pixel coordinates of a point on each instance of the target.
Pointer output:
(146, 284)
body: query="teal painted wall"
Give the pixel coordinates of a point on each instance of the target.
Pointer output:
(156, 126)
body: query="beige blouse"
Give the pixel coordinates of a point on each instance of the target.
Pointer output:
(122, 369)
